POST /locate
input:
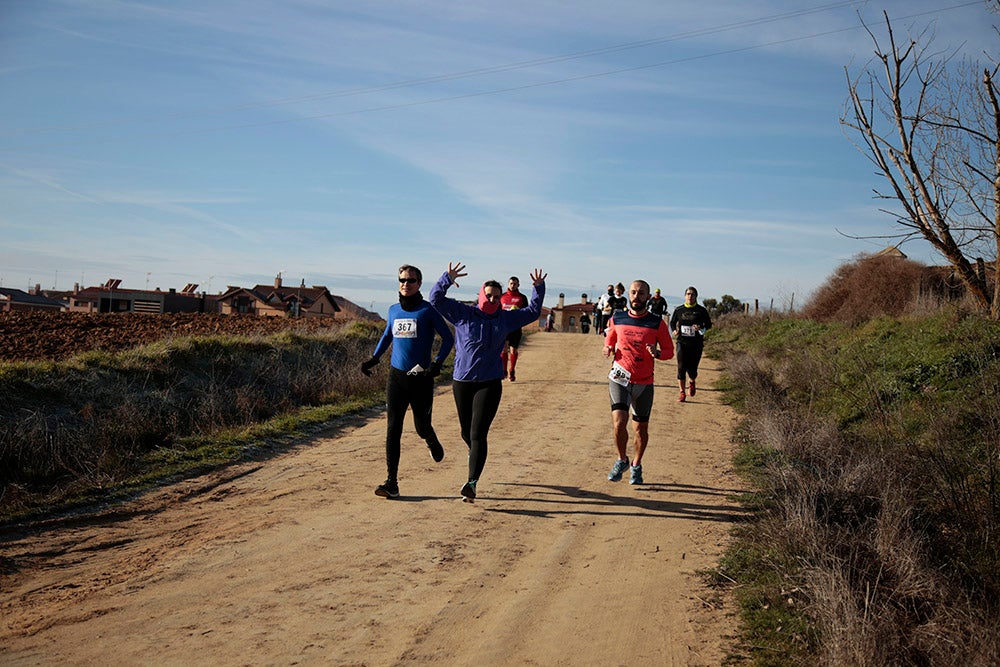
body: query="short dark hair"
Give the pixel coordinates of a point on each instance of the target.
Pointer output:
(493, 283)
(639, 280)
(412, 269)
(514, 278)
(692, 288)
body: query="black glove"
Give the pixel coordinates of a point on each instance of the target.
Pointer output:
(367, 366)
(434, 370)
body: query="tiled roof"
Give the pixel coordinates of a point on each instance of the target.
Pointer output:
(20, 296)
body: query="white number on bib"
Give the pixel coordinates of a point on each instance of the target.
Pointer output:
(404, 328)
(619, 375)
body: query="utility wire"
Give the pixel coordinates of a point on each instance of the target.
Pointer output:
(465, 74)
(582, 77)
(504, 68)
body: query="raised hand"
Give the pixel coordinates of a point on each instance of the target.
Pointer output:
(537, 278)
(456, 271)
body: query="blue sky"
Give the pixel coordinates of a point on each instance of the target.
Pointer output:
(167, 142)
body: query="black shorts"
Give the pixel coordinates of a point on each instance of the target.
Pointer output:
(638, 398)
(514, 338)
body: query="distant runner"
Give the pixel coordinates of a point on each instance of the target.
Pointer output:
(689, 323)
(512, 299)
(657, 304)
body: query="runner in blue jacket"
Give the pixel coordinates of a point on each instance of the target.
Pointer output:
(410, 330)
(480, 334)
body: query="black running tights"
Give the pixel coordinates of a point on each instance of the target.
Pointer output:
(688, 358)
(403, 391)
(477, 404)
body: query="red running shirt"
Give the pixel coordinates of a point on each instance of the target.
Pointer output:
(629, 336)
(513, 300)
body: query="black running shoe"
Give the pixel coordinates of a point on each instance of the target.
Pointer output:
(469, 492)
(387, 489)
(437, 451)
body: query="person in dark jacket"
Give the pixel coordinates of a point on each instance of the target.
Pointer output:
(657, 304)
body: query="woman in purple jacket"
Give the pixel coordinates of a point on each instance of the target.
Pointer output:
(480, 334)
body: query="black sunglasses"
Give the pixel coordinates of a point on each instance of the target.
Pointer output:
(408, 281)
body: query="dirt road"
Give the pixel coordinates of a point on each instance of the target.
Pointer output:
(294, 560)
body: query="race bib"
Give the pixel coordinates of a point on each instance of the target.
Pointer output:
(687, 330)
(404, 328)
(619, 375)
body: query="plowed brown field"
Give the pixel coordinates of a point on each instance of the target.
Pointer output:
(27, 336)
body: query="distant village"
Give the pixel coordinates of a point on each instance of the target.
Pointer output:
(273, 300)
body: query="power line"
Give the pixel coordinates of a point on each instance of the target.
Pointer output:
(582, 77)
(504, 68)
(453, 76)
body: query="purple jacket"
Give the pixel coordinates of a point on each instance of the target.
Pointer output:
(479, 338)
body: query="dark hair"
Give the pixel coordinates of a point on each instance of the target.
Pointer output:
(493, 283)
(691, 288)
(620, 286)
(638, 280)
(514, 278)
(412, 269)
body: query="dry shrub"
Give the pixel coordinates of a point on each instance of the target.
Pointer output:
(865, 288)
(93, 417)
(853, 515)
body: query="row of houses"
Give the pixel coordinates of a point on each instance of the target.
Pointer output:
(275, 300)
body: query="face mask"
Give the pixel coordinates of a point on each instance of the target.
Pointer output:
(485, 305)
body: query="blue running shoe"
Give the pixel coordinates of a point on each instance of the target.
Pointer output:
(621, 465)
(469, 491)
(636, 477)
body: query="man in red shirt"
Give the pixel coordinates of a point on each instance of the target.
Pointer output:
(512, 299)
(635, 338)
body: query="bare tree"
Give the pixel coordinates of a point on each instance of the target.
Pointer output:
(933, 131)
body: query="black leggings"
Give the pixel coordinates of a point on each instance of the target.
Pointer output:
(403, 391)
(688, 358)
(477, 404)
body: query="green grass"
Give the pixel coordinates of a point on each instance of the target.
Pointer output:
(891, 428)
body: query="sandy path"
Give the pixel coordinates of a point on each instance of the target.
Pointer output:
(295, 561)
